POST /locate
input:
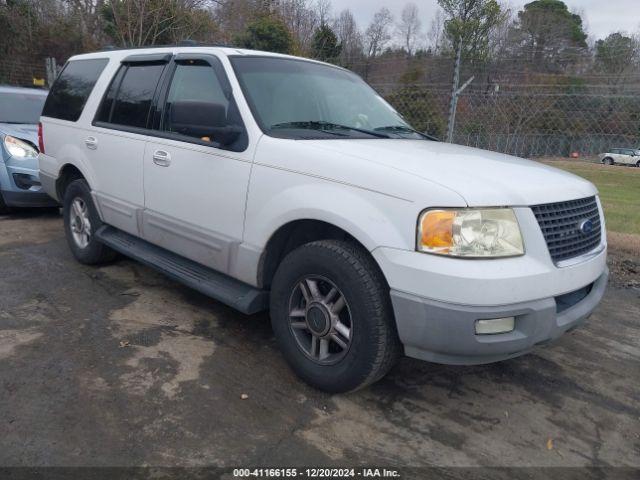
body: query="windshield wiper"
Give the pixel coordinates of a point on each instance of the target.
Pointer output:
(405, 129)
(327, 127)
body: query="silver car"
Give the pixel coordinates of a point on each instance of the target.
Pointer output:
(621, 156)
(20, 110)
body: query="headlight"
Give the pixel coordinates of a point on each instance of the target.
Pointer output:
(470, 233)
(18, 148)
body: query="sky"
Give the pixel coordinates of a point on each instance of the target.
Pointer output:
(601, 16)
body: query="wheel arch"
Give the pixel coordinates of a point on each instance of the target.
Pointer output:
(294, 234)
(68, 173)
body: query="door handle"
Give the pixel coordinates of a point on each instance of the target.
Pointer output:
(91, 143)
(161, 158)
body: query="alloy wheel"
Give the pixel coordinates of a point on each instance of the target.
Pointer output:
(320, 320)
(80, 223)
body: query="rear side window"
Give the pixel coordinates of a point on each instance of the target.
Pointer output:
(128, 100)
(71, 90)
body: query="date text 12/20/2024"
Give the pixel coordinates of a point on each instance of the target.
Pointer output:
(315, 473)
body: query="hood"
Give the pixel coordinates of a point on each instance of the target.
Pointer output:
(481, 177)
(22, 131)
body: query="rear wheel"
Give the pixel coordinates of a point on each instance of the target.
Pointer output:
(608, 161)
(638, 164)
(81, 221)
(332, 316)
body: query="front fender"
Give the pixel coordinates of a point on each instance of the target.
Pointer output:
(372, 218)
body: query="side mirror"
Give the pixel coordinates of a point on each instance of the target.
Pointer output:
(203, 120)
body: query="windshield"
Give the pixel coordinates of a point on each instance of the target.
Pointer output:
(21, 107)
(289, 97)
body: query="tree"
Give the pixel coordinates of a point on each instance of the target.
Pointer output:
(325, 44)
(436, 35)
(378, 32)
(302, 20)
(409, 27)
(349, 38)
(469, 25)
(548, 35)
(617, 54)
(133, 23)
(267, 33)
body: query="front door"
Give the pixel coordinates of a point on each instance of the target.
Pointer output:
(627, 157)
(196, 179)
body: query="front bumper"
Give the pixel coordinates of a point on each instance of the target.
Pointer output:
(28, 199)
(445, 333)
(20, 184)
(437, 299)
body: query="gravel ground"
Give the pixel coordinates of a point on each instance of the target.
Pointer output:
(119, 366)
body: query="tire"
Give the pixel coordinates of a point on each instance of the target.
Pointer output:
(608, 161)
(638, 164)
(92, 252)
(372, 344)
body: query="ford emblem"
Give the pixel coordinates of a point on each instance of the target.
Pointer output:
(586, 226)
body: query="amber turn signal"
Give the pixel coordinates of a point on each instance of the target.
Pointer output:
(437, 230)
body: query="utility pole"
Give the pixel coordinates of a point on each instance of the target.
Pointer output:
(51, 68)
(454, 93)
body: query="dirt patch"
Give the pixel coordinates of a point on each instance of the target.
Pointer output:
(624, 243)
(32, 228)
(11, 339)
(624, 259)
(624, 268)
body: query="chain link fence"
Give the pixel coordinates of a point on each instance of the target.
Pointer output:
(525, 120)
(23, 72)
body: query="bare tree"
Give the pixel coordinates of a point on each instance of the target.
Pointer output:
(349, 37)
(378, 32)
(302, 19)
(323, 8)
(148, 22)
(436, 36)
(409, 27)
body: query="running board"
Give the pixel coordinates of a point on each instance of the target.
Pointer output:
(236, 294)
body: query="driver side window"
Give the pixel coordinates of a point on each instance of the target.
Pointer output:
(197, 106)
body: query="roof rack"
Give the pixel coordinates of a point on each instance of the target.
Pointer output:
(181, 43)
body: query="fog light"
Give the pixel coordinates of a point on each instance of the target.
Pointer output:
(495, 325)
(24, 181)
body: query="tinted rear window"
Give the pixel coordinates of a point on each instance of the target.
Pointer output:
(104, 112)
(20, 107)
(134, 95)
(71, 90)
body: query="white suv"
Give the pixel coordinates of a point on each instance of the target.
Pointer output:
(274, 182)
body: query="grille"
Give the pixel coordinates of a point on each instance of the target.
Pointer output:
(560, 223)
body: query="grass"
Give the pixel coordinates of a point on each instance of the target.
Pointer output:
(619, 192)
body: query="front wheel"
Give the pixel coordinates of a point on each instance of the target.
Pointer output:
(81, 220)
(332, 316)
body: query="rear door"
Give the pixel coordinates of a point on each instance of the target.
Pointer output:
(615, 155)
(195, 186)
(117, 142)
